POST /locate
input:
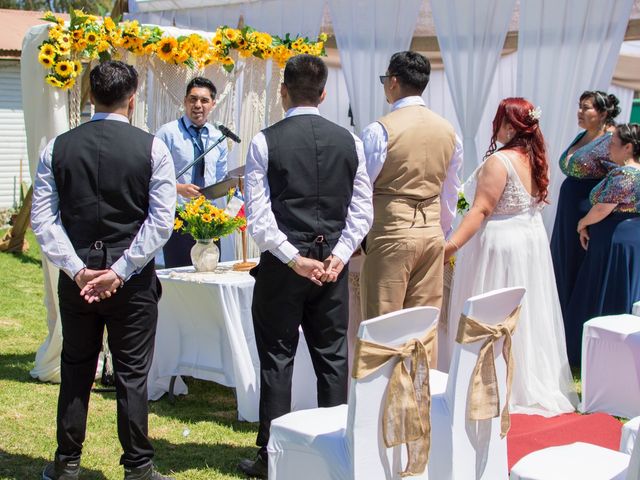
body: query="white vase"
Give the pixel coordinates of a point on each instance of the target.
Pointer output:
(205, 255)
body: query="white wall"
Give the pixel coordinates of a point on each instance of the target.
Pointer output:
(13, 140)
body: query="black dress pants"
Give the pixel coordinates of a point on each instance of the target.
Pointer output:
(282, 302)
(177, 251)
(130, 317)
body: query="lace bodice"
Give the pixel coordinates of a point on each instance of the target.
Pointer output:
(514, 200)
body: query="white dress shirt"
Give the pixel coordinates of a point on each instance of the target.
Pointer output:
(261, 221)
(154, 232)
(180, 143)
(375, 141)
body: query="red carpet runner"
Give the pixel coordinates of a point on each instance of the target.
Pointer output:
(529, 433)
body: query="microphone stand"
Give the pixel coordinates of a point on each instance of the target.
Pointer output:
(201, 157)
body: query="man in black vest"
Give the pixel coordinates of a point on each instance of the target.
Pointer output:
(308, 207)
(103, 203)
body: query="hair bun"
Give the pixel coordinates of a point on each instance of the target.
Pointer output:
(613, 110)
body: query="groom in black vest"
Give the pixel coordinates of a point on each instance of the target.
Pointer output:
(308, 207)
(103, 203)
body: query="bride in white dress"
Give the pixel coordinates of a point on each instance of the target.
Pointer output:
(502, 243)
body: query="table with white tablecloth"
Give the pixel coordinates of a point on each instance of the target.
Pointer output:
(205, 331)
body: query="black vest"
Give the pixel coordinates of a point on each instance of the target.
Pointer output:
(312, 166)
(102, 171)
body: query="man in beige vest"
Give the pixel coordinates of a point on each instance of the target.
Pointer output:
(413, 157)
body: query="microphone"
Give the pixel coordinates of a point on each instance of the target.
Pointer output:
(225, 131)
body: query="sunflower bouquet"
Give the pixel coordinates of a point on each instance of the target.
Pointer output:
(87, 37)
(202, 220)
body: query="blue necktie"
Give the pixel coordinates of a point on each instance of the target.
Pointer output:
(197, 175)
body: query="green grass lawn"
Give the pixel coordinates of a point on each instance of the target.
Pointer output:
(216, 440)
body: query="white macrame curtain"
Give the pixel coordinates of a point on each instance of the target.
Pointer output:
(564, 48)
(368, 32)
(471, 36)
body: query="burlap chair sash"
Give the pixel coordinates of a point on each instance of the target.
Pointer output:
(406, 413)
(484, 399)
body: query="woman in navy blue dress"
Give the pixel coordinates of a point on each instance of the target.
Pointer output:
(585, 162)
(608, 281)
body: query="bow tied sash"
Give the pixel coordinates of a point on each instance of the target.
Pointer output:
(406, 411)
(484, 400)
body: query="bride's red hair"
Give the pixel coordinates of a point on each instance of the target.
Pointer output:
(528, 139)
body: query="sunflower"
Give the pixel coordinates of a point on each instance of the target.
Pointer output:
(149, 49)
(53, 81)
(55, 32)
(77, 34)
(109, 24)
(103, 46)
(180, 56)
(231, 34)
(177, 224)
(206, 218)
(165, 48)
(64, 50)
(48, 50)
(64, 38)
(80, 45)
(91, 38)
(67, 84)
(77, 68)
(64, 68)
(45, 60)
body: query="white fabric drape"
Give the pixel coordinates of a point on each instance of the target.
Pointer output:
(564, 48)
(45, 116)
(336, 104)
(368, 32)
(206, 18)
(625, 95)
(471, 36)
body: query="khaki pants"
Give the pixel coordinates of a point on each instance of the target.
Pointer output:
(402, 269)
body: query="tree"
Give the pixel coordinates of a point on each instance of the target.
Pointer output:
(97, 7)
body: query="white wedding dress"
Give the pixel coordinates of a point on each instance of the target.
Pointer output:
(512, 249)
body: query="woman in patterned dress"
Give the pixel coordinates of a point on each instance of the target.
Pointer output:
(585, 162)
(608, 281)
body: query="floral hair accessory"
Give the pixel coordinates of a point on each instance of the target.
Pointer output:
(535, 113)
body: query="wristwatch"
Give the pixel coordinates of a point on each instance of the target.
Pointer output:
(292, 263)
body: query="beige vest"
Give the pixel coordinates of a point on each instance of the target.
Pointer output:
(406, 193)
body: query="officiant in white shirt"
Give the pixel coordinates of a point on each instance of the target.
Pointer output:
(187, 138)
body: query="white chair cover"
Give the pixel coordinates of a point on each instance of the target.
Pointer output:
(345, 442)
(467, 449)
(584, 461)
(577, 460)
(633, 472)
(629, 435)
(611, 365)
